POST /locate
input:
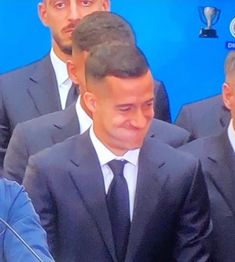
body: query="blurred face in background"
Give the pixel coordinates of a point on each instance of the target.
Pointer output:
(228, 94)
(61, 16)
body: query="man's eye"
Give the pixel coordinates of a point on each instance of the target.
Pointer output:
(86, 3)
(150, 103)
(125, 108)
(59, 5)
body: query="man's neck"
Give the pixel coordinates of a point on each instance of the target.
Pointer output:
(82, 103)
(61, 55)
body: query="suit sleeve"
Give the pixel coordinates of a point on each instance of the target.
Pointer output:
(37, 185)
(16, 157)
(194, 225)
(5, 132)
(161, 104)
(23, 219)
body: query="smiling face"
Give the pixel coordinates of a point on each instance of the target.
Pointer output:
(61, 16)
(122, 110)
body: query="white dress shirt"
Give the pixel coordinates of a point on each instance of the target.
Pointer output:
(63, 81)
(84, 120)
(231, 134)
(130, 170)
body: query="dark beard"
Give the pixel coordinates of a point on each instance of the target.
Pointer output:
(66, 49)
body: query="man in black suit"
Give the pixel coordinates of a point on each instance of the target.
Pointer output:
(34, 135)
(217, 157)
(92, 211)
(43, 87)
(205, 117)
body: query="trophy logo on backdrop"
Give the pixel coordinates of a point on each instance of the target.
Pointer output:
(209, 16)
(232, 27)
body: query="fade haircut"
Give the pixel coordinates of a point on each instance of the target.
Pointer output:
(122, 61)
(229, 65)
(101, 27)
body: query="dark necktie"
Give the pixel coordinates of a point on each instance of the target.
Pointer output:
(118, 206)
(72, 96)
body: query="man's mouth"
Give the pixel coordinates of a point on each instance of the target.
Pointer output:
(69, 30)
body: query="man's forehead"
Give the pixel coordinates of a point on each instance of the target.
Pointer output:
(49, 1)
(146, 76)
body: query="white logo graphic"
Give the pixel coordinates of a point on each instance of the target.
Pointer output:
(232, 27)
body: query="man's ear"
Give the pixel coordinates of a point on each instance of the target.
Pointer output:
(42, 13)
(227, 94)
(72, 72)
(105, 5)
(90, 101)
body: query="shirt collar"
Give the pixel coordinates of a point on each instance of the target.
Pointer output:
(84, 120)
(231, 134)
(60, 68)
(105, 155)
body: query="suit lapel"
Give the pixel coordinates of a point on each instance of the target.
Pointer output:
(221, 168)
(67, 125)
(149, 186)
(43, 88)
(88, 180)
(225, 116)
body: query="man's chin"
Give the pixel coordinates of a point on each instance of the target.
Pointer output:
(134, 145)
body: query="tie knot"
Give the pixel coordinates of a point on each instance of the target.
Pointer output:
(117, 166)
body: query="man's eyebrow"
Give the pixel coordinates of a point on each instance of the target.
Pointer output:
(130, 104)
(124, 105)
(150, 100)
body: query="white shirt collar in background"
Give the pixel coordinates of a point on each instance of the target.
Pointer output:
(62, 78)
(231, 134)
(84, 120)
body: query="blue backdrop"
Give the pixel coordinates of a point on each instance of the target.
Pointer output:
(166, 30)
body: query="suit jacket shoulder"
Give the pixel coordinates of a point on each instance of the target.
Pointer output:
(209, 147)
(24, 71)
(168, 133)
(205, 117)
(29, 91)
(26, 93)
(47, 123)
(34, 135)
(161, 103)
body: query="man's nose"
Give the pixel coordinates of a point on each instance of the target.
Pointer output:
(139, 120)
(75, 12)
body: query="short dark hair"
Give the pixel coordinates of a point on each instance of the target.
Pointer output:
(101, 27)
(122, 61)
